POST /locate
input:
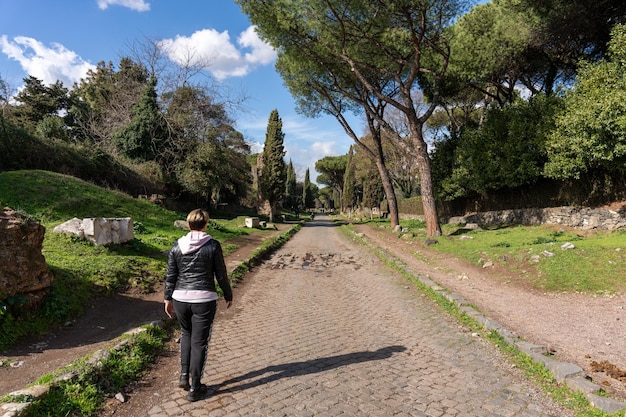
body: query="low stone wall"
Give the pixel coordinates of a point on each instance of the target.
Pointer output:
(583, 218)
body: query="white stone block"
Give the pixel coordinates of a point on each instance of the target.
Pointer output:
(252, 222)
(101, 231)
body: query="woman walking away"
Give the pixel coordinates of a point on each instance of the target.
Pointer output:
(194, 263)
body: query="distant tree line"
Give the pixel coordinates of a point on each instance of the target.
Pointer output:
(134, 128)
(459, 102)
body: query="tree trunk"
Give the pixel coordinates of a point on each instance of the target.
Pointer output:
(433, 227)
(392, 202)
(271, 212)
(340, 193)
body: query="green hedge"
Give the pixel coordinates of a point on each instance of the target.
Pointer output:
(411, 206)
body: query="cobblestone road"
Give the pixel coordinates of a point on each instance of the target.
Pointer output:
(324, 329)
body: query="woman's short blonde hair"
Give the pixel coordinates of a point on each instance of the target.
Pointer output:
(197, 219)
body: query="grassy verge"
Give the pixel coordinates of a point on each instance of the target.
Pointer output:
(94, 380)
(595, 265)
(81, 270)
(267, 247)
(538, 373)
(561, 394)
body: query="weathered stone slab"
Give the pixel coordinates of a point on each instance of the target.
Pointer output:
(101, 231)
(608, 405)
(252, 222)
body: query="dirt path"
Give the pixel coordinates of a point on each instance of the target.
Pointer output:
(576, 328)
(105, 320)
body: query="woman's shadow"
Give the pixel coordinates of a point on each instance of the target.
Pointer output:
(275, 372)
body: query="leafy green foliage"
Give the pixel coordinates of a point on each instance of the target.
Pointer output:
(217, 168)
(143, 137)
(38, 101)
(291, 200)
(334, 167)
(307, 191)
(411, 205)
(204, 152)
(53, 127)
(350, 191)
(364, 183)
(591, 131)
(332, 170)
(104, 100)
(535, 43)
(487, 43)
(507, 151)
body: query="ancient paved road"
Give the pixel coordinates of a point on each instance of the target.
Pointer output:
(324, 329)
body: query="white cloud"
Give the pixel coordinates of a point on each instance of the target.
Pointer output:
(216, 52)
(256, 147)
(324, 148)
(306, 155)
(138, 5)
(262, 53)
(48, 63)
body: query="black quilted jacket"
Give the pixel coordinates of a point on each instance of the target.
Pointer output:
(197, 270)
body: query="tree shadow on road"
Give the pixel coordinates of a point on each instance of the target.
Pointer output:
(275, 372)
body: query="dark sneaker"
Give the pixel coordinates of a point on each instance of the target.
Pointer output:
(197, 393)
(183, 382)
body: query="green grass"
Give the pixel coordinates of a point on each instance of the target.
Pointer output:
(533, 254)
(83, 395)
(82, 270)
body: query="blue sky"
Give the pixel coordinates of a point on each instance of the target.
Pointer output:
(62, 39)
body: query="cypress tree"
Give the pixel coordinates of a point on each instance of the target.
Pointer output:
(274, 172)
(141, 139)
(291, 199)
(307, 194)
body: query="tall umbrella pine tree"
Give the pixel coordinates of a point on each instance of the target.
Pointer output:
(333, 171)
(273, 178)
(386, 50)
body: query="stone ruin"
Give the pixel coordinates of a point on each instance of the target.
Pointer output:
(154, 198)
(24, 270)
(100, 231)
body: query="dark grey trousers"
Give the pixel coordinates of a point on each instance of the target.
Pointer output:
(196, 321)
